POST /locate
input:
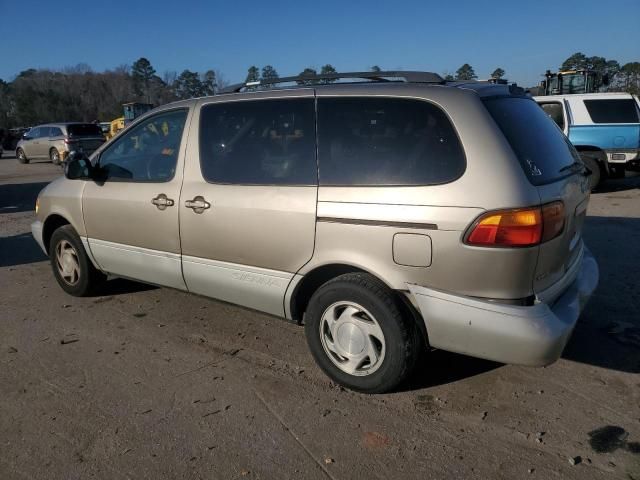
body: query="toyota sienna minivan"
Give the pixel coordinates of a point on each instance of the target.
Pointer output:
(390, 214)
(55, 140)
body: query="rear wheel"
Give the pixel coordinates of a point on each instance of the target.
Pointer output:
(54, 156)
(591, 161)
(358, 334)
(71, 266)
(22, 158)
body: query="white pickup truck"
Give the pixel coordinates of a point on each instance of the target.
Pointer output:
(604, 128)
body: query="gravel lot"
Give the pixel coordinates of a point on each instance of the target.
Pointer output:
(153, 383)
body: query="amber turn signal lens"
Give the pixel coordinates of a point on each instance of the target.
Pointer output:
(524, 227)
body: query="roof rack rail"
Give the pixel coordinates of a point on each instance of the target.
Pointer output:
(384, 76)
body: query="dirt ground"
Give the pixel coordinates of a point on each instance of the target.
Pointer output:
(145, 382)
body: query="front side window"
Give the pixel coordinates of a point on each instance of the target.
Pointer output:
(386, 141)
(148, 152)
(33, 133)
(612, 111)
(554, 110)
(259, 142)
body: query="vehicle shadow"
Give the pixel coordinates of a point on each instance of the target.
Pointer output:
(612, 185)
(19, 250)
(19, 197)
(608, 332)
(440, 368)
(121, 286)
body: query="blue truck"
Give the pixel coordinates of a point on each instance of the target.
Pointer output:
(604, 128)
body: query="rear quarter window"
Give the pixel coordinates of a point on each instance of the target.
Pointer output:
(386, 141)
(612, 111)
(542, 149)
(84, 130)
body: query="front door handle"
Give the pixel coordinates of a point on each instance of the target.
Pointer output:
(198, 204)
(162, 202)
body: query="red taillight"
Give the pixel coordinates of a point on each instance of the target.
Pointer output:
(69, 141)
(525, 227)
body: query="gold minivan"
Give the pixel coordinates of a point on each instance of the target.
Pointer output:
(388, 215)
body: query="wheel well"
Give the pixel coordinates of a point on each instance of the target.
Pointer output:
(311, 282)
(321, 275)
(51, 224)
(600, 157)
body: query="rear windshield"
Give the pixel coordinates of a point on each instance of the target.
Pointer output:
(612, 111)
(541, 147)
(84, 130)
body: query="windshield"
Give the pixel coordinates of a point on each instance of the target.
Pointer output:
(543, 150)
(84, 130)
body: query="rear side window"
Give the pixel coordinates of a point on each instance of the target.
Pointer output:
(259, 142)
(84, 130)
(541, 147)
(55, 132)
(554, 110)
(386, 141)
(612, 111)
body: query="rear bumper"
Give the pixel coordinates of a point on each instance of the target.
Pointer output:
(533, 336)
(623, 156)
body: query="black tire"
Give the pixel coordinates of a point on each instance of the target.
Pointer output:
(596, 172)
(54, 156)
(616, 171)
(401, 336)
(20, 155)
(88, 278)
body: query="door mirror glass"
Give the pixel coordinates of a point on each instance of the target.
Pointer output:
(78, 167)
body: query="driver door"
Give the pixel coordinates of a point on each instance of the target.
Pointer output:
(131, 217)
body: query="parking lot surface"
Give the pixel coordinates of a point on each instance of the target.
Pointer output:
(146, 382)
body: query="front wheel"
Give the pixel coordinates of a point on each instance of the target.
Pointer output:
(71, 266)
(22, 158)
(358, 334)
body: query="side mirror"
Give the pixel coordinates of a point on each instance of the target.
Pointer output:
(78, 167)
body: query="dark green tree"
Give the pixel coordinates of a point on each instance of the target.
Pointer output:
(307, 72)
(327, 69)
(269, 73)
(465, 72)
(629, 77)
(142, 74)
(376, 68)
(576, 61)
(188, 85)
(253, 74)
(209, 83)
(497, 73)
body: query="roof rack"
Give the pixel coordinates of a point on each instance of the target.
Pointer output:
(407, 76)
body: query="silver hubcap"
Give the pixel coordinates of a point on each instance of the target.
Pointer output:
(54, 155)
(67, 262)
(352, 338)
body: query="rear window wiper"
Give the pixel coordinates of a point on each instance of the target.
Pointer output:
(573, 166)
